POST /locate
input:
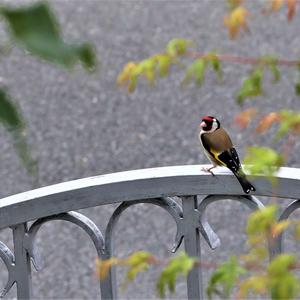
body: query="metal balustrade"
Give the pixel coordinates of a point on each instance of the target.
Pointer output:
(158, 186)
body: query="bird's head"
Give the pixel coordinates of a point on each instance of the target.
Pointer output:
(209, 124)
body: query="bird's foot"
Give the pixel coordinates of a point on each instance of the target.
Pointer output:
(208, 170)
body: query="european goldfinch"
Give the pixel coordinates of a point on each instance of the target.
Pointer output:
(218, 148)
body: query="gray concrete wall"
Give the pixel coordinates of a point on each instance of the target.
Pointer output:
(81, 125)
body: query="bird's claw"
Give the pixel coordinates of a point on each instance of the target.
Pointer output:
(207, 170)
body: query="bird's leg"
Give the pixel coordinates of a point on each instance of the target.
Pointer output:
(208, 170)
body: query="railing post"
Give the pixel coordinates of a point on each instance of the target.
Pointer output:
(108, 285)
(192, 245)
(22, 262)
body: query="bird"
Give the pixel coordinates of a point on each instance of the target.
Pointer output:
(220, 151)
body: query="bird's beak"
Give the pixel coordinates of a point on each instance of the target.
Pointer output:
(202, 125)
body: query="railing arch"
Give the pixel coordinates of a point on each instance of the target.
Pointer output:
(156, 186)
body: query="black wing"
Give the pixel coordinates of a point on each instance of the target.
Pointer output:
(231, 159)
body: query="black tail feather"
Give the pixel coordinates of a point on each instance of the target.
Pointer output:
(246, 185)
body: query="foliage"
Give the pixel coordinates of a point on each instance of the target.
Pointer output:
(251, 273)
(35, 29)
(13, 121)
(224, 278)
(263, 161)
(182, 264)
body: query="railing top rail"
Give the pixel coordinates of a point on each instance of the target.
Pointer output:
(136, 184)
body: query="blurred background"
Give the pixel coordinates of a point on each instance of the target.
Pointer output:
(81, 125)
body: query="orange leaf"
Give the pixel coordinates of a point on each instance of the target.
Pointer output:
(243, 119)
(275, 5)
(291, 9)
(103, 266)
(236, 21)
(267, 121)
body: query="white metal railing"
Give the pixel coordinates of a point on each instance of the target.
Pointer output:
(157, 186)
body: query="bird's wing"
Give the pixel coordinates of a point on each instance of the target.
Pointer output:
(230, 159)
(217, 142)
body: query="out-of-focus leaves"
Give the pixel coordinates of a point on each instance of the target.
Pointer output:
(36, 29)
(178, 47)
(258, 251)
(224, 278)
(275, 5)
(297, 88)
(103, 266)
(297, 230)
(252, 86)
(154, 66)
(279, 227)
(263, 161)
(261, 221)
(289, 122)
(136, 263)
(216, 64)
(257, 284)
(232, 4)
(236, 21)
(9, 113)
(179, 265)
(164, 63)
(13, 121)
(272, 63)
(266, 122)
(291, 4)
(282, 282)
(196, 71)
(244, 118)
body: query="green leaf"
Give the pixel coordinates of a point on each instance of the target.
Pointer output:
(216, 65)
(282, 282)
(252, 86)
(195, 71)
(177, 47)
(36, 29)
(261, 220)
(263, 160)
(182, 264)
(164, 62)
(137, 262)
(297, 88)
(11, 118)
(272, 63)
(290, 120)
(224, 278)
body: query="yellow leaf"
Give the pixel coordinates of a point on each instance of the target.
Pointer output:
(126, 74)
(258, 284)
(278, 227)
(243, 119)
(236, 21)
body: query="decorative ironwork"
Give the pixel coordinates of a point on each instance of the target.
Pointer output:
(210, 236)
(278, 242)
(8, 259)
(159, 186)
(74, 217)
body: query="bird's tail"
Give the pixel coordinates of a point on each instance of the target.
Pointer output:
(246, 185)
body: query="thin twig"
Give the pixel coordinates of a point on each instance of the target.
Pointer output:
(243, 59)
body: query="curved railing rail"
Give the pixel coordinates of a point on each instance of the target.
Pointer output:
(158, 186)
